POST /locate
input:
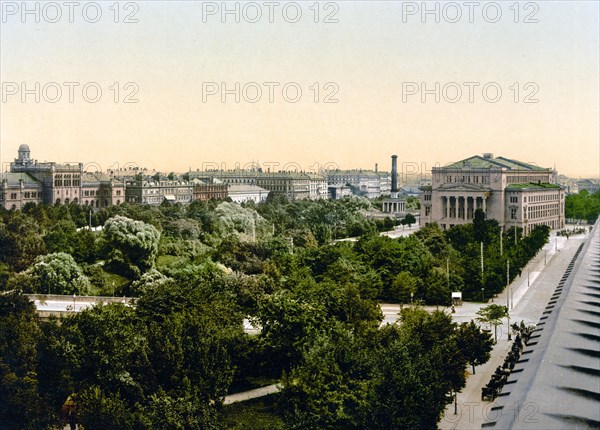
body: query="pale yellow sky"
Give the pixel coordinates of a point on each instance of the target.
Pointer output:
(373, 52)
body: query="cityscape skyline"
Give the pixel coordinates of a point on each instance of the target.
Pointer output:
(373, 79)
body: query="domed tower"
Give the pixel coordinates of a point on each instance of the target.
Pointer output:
(24, 158)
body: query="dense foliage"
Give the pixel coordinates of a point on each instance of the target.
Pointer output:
(197, 271)
(583, 205)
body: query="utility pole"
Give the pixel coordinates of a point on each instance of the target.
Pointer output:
(448, 272)
(500, 242)
(481, 252)
(507, 282)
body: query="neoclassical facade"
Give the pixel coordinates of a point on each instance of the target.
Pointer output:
(512, 192)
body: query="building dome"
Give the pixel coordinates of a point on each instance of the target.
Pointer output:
(24, 148)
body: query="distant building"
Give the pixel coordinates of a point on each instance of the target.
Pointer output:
(293, 185)
(338, 192)
(155, 190)
(589, 185)
(100, 190)
(30, 181)
(365, 182)
(208, 189)
(512, 192)
(242, 193)
(17, 189)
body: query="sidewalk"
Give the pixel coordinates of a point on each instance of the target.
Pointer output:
(251, 394)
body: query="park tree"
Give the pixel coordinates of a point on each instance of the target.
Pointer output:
(62, 237)
(414, 372)
(475, 344)
(404, 287)
(133, 243)
(56, 273)
(21, 405)
(288, 323)
(20, 241)
(328, 389)
(493, 314)
(408, 219)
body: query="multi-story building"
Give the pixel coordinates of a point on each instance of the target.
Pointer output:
(241, 193)
(293, 185)
(54, 183)
(61, 183)
(366, 182)
(512, 192)
(17, 189)
(100, 190)
(208, 189)
(155, 190)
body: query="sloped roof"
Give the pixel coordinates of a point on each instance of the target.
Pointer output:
(13, 179)
(558, 376)
(479, 162)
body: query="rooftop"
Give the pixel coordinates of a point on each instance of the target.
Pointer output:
(489, 162)
(559, 376)
(15, 178)
(533, 186)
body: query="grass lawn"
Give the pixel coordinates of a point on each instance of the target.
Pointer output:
(256, 414)
(168, 260)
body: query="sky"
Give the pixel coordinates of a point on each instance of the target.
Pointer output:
(301, 85)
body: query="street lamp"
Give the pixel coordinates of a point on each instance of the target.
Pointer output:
(482, 297)
(508, 316)
(74, 297)
(411, 298)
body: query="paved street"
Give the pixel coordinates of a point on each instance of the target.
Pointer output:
(251, 394)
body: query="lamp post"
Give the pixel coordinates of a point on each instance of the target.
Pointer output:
(482, 297)
(74, 297)
(508, 317)
(507, 282)
(411, 299)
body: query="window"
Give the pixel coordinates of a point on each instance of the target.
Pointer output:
(513, 213)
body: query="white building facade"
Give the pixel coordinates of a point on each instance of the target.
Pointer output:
(512, 192)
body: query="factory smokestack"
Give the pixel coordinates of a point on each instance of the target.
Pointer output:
(394, 176)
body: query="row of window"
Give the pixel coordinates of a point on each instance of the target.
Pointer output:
(26, 195)
(152, 191)
(521, 179)
(475, 179)
(542, 211)
(104, 193)
(541, 198)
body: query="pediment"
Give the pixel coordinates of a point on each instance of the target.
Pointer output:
(463, 188)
